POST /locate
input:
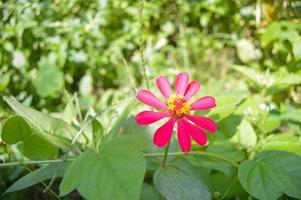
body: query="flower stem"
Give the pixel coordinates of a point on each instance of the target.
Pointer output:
(165, 155)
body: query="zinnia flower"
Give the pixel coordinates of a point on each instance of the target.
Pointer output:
(176, 109)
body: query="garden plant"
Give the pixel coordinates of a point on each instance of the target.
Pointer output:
(150, 99)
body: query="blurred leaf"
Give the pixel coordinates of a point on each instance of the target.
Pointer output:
(271, 33)
(41, 174)
(118, 164)
(271, 174)
(4, 81)
(97, 131)
(226, 105)
(270, 124)
(297, 49)
(246, 51)
(49, 81)
(246, 135)
(149, 193)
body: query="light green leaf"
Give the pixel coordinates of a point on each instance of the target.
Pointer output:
(49, 81)
(246, 135)
(272, 174)
(297, 49)
(4, 81)
(270, 124)
(49, 124)
(226, 105)
(118, 169)
(175, 184)
(272, 33)
(41, 174)
(292, 147)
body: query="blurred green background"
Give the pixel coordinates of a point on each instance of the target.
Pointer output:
(74, 58)
(49, 47)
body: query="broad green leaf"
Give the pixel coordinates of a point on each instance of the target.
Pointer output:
(35, 143)
(118, 169)
(293, 115)
(271, 174)
(148, 192)
(41, 174)
(226, 149)
(246, 135)
(49, 124)
(175, 184)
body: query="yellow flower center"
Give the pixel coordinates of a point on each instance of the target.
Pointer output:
(178, 106)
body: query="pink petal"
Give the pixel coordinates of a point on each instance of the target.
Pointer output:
(164, 86)
(203, 122)
(150, 99)
(183, 137)
(192, 88)
(148, 117)
(196, 133)
(181, 83)
(163, 134)
(203, 103)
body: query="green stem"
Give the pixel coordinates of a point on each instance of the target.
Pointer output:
(147, 155)
(165, 155)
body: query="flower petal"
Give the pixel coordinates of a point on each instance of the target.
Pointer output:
(192, 88)
(148, 117)
(163, 134)
(183, 137)
(164, 86)
(150, 99)
(203, 103)
(181, 83)
(203, 122)
(196, 133)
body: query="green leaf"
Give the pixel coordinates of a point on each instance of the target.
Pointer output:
(226, 149)
(4, 81)
(175, 184)
(291, 147)
(272, 33)
(270, 124)
(49, 81)
(271, 174)
(118, 169)
(49, 124)
(149, 192)
(122, 115)
(226, 105)
(297, 49)
(35, 143)
(246, 135)
(97, 131)
(41, 174)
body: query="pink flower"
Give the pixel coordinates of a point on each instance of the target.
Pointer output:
(177, 109)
